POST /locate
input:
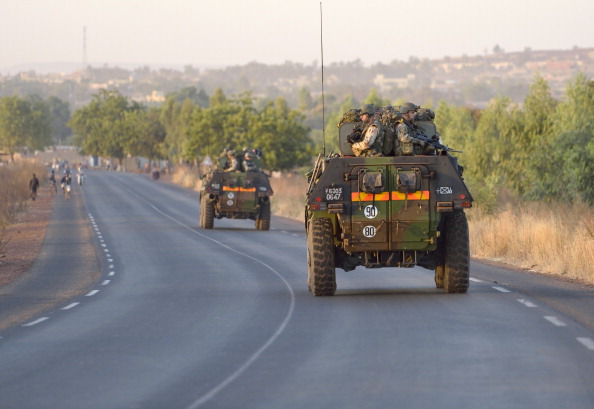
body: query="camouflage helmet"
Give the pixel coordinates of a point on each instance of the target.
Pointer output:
(368, 109)
(407, 107)
(230, 152)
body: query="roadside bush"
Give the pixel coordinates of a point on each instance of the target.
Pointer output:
(14, 185)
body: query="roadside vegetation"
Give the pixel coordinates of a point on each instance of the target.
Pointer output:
(15, 192)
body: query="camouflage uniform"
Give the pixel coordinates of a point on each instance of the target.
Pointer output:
(406, 133)
(373, 141)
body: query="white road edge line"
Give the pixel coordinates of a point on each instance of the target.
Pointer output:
(105, 282)
(91, 293)
(223, 384)
(527, 303)
(69, 306)
(37, 321)
(587, 342)
(475, 280)
(503, 290)
(554, 320)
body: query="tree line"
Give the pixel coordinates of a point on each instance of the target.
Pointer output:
(540, 149)
(111, 125)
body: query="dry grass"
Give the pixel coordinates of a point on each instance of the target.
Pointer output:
(289, 196)
(186, 177)
(551, 238)
(14, 188)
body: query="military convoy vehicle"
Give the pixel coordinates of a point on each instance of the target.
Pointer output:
(390, 211)
(235, 195)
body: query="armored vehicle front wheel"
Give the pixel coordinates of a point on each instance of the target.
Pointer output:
(321, 278)
(457, 253)
(263, 219)
(206, 213)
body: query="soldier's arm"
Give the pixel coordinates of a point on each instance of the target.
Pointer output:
(370, 136)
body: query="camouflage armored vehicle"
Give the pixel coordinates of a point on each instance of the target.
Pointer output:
(390, 211)
(235, 195)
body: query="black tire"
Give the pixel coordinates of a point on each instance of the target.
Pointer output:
(457, 253)
(263, 220)
(321, 263)
(207, 213)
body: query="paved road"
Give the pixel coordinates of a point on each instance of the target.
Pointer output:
(186, 318)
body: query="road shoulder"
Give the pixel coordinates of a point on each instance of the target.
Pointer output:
(57, 260)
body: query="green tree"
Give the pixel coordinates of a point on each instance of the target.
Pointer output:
(60, 115)
(100, 127)
(282, 137)
(13, 123)
(491, 147)
(535, 170)
(24, 123)
(39, 124)
(573, 140)
(147, 134)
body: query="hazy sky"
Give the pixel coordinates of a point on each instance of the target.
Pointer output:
(219, 32)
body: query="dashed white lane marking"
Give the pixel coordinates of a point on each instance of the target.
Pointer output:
(105, 282)
(587, 342)
(103, 245)
(293, 234)
(37, 321)
(554, 320)
(111, 273)
(284, 231)
(69, 306)
(527, 303)
(503, 290)
(110, 260)
(91, 293)
(106, 250)
(475, 280)
(111, 266)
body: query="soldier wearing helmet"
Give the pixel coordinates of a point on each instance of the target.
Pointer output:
(232, 164)
(372, 142)
(407, 132)
(249, 161)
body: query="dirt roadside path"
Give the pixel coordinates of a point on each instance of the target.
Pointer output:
(21, 241)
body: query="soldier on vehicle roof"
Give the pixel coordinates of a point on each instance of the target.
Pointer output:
(407, 133)
(232, 164)
(372, 137)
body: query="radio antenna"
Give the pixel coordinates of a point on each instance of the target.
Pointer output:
(323, 99)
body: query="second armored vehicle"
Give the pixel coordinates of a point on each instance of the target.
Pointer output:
(235, 195)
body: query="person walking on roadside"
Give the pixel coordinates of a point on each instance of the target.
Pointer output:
(34, 185)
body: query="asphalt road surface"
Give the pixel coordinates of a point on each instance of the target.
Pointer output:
(179, 318)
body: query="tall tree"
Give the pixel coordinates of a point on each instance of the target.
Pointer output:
(100, 128)
(14, 114)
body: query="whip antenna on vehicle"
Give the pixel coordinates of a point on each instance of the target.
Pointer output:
(323, 101)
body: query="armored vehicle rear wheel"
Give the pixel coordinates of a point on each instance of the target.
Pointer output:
(457, 253)
(206, 213)
(263, 220)
(321, 264)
